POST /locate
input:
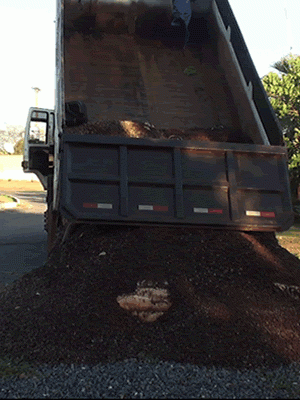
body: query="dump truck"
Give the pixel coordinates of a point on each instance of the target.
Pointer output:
(160, 119)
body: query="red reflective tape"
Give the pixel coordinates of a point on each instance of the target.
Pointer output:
(90, 205)
(215, 211)
(267, 214)
(160, 208)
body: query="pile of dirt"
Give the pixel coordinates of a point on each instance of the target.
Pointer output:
(146, 130)
(234, 299)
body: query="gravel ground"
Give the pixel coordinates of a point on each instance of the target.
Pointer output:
(134, 379)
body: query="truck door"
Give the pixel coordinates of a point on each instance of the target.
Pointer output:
(38, 143)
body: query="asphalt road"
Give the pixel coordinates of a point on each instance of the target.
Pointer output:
(23, 241)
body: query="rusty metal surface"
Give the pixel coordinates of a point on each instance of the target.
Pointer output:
(121, 74)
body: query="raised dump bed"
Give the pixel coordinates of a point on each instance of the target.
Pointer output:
(127, 63)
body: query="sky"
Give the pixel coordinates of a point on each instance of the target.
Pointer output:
(271, 29)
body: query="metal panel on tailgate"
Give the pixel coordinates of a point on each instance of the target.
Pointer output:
(137, 181)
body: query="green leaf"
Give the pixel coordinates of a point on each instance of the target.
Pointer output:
(283, 90)
(191, 70)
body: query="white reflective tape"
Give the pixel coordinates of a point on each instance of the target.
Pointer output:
(253, 213)
(200, 210)
(145, 208)
(105, 205)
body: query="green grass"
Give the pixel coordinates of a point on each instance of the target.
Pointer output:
(290, 240)
(6, 199)
(294, 232)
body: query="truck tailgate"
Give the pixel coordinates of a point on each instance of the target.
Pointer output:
(171, 182)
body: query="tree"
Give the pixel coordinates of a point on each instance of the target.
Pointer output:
(12, 135)
(19, 147)
(283, 89)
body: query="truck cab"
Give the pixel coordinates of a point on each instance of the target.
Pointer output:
(39, 143)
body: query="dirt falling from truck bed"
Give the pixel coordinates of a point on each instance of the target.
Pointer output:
(136, 129)
(235, 299)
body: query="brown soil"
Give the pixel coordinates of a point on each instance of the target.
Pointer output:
(235, 299)
(140, 130)
(5, 199)
(14, 186)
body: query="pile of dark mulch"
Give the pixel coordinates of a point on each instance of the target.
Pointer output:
(227, 307)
